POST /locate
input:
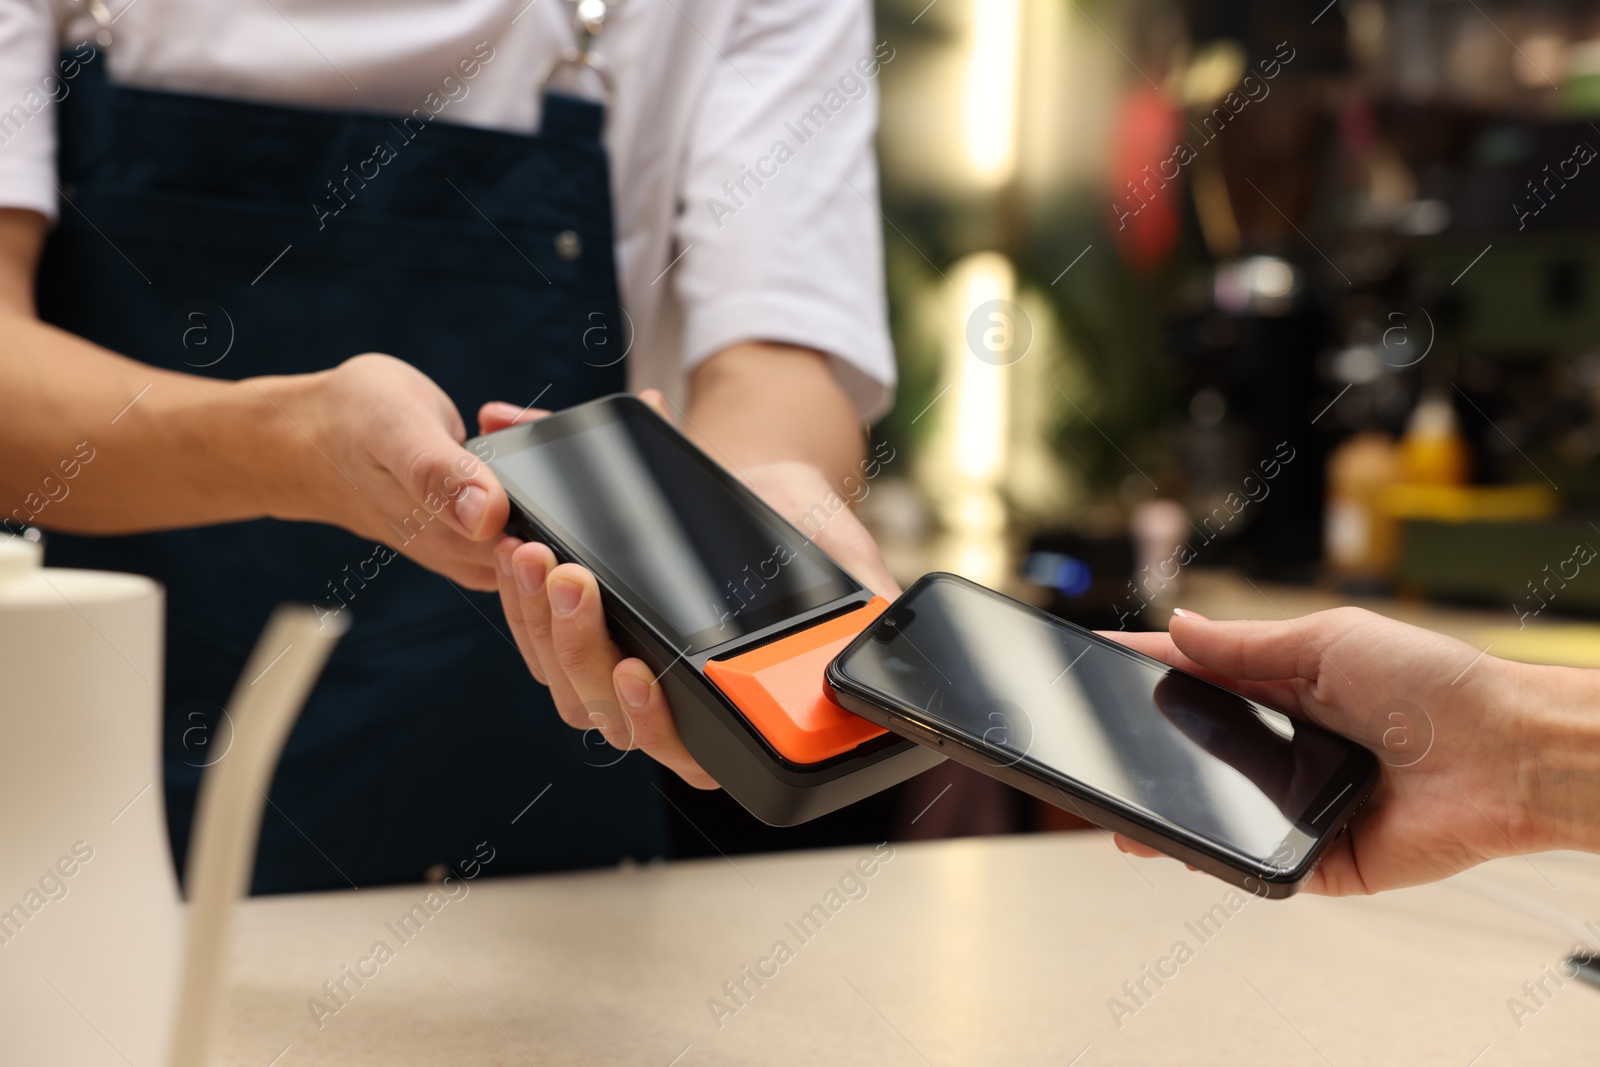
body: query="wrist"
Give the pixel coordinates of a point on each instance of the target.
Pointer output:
(1555, 712)
(791, 486)
(274, 434)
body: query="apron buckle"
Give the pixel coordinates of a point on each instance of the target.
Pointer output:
(102, 21)
(588, 19)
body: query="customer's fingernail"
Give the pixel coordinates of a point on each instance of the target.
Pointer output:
(601, 723)
(633, 691)
(502, 562)
(469, 507)
(530, 575)
(1185, 613)
(564, 596)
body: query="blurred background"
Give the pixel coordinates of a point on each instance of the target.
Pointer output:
(1252, 308)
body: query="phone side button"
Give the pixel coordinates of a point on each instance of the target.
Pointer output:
(916, 731)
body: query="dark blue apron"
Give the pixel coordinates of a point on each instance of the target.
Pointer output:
(200, 226)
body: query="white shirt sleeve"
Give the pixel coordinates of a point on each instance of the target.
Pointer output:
(778, 227)
(31, 83)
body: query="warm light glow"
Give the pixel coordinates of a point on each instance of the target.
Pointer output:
(981, 559)
(990, 106)
(980, 387)
(973, 429)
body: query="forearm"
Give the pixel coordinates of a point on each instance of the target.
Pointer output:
(1558, 709)
(95, 442)
(760, 403)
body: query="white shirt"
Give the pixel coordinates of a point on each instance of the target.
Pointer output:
(706, 90)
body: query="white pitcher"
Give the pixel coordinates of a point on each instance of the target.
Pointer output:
(100, 962)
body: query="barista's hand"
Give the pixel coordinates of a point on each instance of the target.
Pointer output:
(380, 454)
(1464, 738)
(555, 613)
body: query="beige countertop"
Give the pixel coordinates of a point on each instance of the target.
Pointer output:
(991, 951)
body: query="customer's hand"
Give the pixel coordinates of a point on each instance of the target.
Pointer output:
(555, 614)
(380, 455)
(1463, 775)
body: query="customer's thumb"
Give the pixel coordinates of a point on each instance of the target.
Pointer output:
(447, 480)
(1259, 651)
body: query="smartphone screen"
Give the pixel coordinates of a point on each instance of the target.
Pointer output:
(658, 521)
(1058, 702)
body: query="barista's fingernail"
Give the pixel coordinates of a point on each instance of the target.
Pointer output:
(601, 723)
(564, 596)
(469, 507)
(502, 562)
(530, 575)
(501, 410)
(633, 691)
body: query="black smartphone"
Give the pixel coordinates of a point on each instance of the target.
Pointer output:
(1226, 784)
(734, 608)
